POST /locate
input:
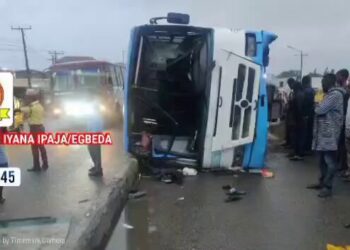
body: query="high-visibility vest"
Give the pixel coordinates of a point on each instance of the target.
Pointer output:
(319, 96)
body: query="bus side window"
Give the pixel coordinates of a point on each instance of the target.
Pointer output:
(119, 77)
(112, 76)
(122, 70)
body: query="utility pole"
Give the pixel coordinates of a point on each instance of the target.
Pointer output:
(22, 29)
(302, 55)
(54, 55)
(123, 56)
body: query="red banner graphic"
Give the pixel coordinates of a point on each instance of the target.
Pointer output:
(61, 138)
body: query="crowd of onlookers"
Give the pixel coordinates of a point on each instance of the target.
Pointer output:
(318, 122)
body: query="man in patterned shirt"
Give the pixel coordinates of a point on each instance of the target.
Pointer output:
(329, 119)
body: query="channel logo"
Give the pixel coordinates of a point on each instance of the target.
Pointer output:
(6, 99)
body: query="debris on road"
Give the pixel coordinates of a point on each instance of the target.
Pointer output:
(267, 173)
(137, 194)
(233, 191)
(347, 226)
(255, 171)
(233, 198)
(189, 171)
(171, 176)
(237, 169)
(166, 179)
(233, 194)
(83, 201)
(152, 229)
(181, 198)
(127, 226)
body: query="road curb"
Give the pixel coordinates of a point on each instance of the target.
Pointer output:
(92, 230)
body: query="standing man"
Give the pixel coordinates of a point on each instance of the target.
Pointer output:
(290, 122)
(342, 78)
(346, 174)
(329, 119)
(309, 111)
(300, 122)
(95, 125)
(35, 113)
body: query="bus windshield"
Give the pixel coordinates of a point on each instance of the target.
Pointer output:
(77, 79)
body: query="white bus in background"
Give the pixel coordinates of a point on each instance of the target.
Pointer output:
(71, 83)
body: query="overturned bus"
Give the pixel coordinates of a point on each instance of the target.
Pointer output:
(197, 95)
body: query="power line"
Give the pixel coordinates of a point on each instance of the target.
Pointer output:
(22, 29)
(10, 40)
(10, 49)
(54, 55)
(9, 44)
(302, 55)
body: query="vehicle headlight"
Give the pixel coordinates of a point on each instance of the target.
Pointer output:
(57, 111)
(78, 108)
(103, 108)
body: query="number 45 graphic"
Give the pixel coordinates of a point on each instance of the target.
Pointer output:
(10, 177)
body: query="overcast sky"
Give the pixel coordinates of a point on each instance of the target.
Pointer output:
(101, 28)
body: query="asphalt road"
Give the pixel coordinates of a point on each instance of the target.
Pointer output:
(63, 192)
(278, 213)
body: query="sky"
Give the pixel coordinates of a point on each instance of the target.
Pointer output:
(101, 28)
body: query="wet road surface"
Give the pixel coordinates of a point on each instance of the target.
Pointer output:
(278, 213)
(62, 193)
(58, 190)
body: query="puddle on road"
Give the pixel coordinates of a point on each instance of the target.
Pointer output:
(45, 233)
(133, 229)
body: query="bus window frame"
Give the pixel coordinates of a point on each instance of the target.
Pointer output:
(119, 74)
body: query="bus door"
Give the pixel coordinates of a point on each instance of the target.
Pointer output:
(237, 102)
(119, 88)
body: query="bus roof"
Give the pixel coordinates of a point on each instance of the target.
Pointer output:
(79, 65)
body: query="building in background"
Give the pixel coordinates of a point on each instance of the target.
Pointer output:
(280, 81)
(39, 79)
(67, 59)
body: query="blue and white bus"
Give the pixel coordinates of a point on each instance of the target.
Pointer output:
(198, 94)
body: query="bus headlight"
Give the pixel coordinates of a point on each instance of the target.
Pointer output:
(103, 108)
(78, 108)
(57, 111)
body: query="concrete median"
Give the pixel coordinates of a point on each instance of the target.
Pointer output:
(91, 230)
